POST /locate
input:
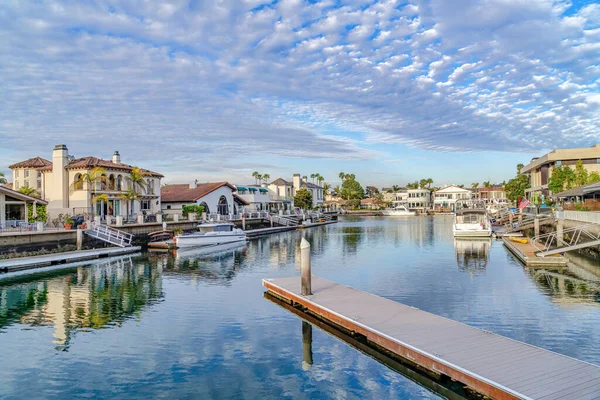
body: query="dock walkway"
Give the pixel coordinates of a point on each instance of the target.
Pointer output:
(526, 252)
(15, 264)
(490, 364)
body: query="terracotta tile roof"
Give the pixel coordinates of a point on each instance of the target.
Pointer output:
(92, 162)
(18, 195)
(35, 162)
(182, 193)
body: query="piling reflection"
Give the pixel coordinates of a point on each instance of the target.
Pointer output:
(307, 354)
(472, 255)
(94, 297)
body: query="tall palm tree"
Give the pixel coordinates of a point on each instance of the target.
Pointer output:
(266, 177)
(136, 178)
(2, 179)
(475, 185)
(320, 179)
(95, 178)
(487, 184)
(342, 176)
(29, 191)
(259, 178)
(129, 196)
(313, 177)
(429, 182)
(255, 175)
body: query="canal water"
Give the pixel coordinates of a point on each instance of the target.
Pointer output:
(196, 325)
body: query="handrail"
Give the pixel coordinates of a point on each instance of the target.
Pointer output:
(544, 242)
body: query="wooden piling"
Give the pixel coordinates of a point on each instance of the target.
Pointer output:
(536, 226)
(560, 226)
(79, 238)
(307, 355)
(305, 267)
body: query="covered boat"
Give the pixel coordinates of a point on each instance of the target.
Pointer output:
(211, 235)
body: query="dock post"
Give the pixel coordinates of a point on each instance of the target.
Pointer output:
(176, 218)
(79, 238)
(140, 218)
(305, 267)
(307, 355)
(271, 218)
(510, 220)
(560, 226)
(159, 218)
(243, 222)
(536, 226)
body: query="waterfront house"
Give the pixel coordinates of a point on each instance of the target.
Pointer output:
(587, 196)
(258, 198)
(282, 192)
(318, 192)
(418, 200)
(446, 198)
(13, 207)
(369, 204)
(285, 191)
(60, 182)
(216, 198)
(400, 197)
(540, 168)
(492, 194)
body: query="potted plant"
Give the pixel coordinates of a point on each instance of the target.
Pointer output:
(68, 222)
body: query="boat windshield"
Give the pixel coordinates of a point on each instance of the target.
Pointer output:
(215, 228)
(470, 218)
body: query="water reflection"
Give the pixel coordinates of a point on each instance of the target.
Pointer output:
(95, 297)
(472, 255)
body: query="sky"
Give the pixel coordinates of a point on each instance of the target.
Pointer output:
(393, 91)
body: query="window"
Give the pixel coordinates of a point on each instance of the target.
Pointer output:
(17, 185)
(26, 173)
(26, 184)
(169, 207)
(145, 204)
(16, 173)
(39, 184)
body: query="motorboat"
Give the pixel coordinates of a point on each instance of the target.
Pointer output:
(398, 211)
(211, 235)
(471, 220)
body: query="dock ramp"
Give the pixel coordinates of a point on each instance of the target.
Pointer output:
(580, 238)
(110, 235)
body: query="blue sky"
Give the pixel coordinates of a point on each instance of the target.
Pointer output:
(392, 91)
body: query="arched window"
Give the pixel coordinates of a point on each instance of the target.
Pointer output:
(77, 182)
(111, 182)
(119, 183)
(222, 206)
(206, 210)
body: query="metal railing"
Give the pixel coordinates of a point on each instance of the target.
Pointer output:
(580, 237)
(110, 235)
(592, 217)
(15, 226)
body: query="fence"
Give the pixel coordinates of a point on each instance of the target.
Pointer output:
(591, 217)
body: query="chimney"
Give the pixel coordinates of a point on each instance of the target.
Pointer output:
(296, 181)
(304, 179)
(194, 184)
(60, 177)
(116, 158)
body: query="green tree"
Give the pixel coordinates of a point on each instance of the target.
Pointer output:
(313, 176)
(516, 186)
(137, 179)
(351, 189)
(556, 183)
(266, 178)
(594, 177)
(342, 176)
(475, 185)
(423, 183)
(487, 184)
(3, 180)
(29, 191)
(413, 185)
(371, 191)
(303, 199)
(581, 174)
(255, 175)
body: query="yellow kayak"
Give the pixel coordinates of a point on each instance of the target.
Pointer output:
(517, 239)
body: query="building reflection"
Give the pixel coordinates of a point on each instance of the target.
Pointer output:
(472, 255)
(92, 297)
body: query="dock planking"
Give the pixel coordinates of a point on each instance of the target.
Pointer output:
(526, 252)
(490, 364)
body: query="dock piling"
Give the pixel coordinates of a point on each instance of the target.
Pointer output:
(560, 227)
(307, 355)
(305, 267)
(536, 226)
(79, 238)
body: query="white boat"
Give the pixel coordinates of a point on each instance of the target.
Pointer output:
(398, 211)
(471, 220)
(211, 235)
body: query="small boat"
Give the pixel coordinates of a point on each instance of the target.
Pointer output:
(161, 240)
(211, 235)
(398, 211)
(471, 220)
(517, 239)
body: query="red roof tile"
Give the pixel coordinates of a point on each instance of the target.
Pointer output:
(35, 162)
(93, 162)
(182, 193)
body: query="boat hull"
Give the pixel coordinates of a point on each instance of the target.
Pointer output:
(399, 213)
(208, 240)
(472, 233)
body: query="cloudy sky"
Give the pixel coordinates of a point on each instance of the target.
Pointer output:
(392, 91)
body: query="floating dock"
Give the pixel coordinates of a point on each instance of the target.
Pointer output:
(16, 264)
(487, 363)
(525, 252)
(256, 233)
(312, 225)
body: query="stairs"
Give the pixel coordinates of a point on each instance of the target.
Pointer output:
(110, 235)
(285, 220)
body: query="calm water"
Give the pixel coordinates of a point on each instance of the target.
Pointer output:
(197, 325)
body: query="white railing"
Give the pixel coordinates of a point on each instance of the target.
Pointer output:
(591, 217)
(110, 235)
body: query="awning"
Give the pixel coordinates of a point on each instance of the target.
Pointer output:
(287, 202)
(252, 189)
(241, 188)
(263, 190)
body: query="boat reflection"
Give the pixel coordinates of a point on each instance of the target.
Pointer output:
(92, 297)
(472, 255)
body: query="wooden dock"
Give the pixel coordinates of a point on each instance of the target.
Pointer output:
(256, 233)
(487, 363)
(312, 225)
(525, 252)
(16, 264)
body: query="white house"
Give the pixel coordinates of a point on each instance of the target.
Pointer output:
(318, 192)
(13, 207)
(447, 196)
(257, 197)
(418, 199)
(284, 191)
(60, 183)
(215, 197)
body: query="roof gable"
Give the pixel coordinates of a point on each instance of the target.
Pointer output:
(452, 189)
(35, 162)
(182, 193)
(18, 195)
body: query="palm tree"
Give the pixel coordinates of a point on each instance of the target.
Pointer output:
(29, 191)
(429, 182)
(129, 196)
(136, 177)
(266, 177)
(259, 178)
(342, 176)
(320, 179)
(487, 184)
(2, 179)
(313, 177)
(255, 175)
(102, 198)
(475, 185)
